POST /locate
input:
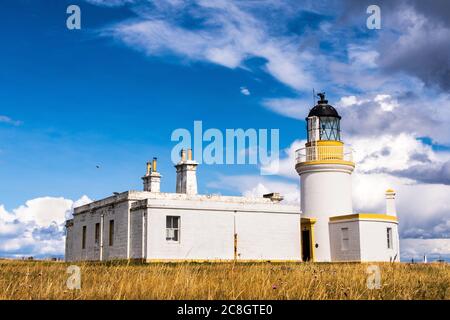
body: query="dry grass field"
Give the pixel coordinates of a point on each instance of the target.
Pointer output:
(47, 280)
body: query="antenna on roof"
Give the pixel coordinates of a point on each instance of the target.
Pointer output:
(314, 97)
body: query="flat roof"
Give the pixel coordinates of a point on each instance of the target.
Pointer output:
(197, 200)
(364, 216)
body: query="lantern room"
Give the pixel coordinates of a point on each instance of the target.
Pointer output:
(323, 122)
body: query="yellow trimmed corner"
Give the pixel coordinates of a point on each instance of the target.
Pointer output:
(361, 216)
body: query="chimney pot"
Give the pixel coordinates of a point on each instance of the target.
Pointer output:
(154, 165)
(274, 196)
(390, 203)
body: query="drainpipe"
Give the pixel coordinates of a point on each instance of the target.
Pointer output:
(128, 232)
(102, 218)
(144, 227)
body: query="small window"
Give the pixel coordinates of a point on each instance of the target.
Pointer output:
(83, 239)
(344, 239)
(111, 232)
(173, 228)
(97, 233)
(389, 238)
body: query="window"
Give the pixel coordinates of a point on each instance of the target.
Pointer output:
(97, 233)
(173, 228)
(83, 239)
(344, 239)
(389, 238)
(330, 128)
(111, 232)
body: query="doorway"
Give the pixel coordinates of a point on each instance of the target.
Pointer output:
(307, 239)
(306, 245)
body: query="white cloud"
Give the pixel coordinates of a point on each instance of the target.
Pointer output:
(8, 120)
(417, 248)
(245, 91)
(43, 211)
(290, 107)
(286, 164)
(228, 35)
(362, 56)
(110, 3)
(257, 186)
(348, 101)
(37, 227)
(386, 102)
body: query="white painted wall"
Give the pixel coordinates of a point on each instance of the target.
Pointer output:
(203, 235)
(326, 191)
(209, 235)
(374, 241)
(263, 236)
(368, 241)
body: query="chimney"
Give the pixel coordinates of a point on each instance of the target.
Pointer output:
(275, 197)
(187, 173)
(152, 179)
(390, 203)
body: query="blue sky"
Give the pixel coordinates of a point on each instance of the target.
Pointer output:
(111, 94)
(85, 100)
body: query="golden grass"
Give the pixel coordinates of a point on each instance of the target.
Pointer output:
(47, 280)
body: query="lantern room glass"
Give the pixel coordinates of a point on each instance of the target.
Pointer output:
(330, 128)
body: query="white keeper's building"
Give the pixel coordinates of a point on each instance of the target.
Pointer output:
(184, 226)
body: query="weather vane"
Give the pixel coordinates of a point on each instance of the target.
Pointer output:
(321, 95)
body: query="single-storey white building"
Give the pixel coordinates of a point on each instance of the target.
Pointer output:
(153, 226)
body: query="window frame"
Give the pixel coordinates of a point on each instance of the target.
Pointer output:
(97, 233)
(111, 232)
(83, 237)
(389, 238)
(170, 227)
(345, 239)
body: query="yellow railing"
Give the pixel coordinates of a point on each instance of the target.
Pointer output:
(324, 153)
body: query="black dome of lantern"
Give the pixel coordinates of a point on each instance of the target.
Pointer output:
(323, 109)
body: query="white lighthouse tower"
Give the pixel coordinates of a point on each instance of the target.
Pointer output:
(325, 167)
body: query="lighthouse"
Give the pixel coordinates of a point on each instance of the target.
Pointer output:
(325, 166)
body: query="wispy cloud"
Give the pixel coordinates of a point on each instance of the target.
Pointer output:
(228, 33)
(8, 120)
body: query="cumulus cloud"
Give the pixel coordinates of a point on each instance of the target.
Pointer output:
(37, 227)
(245, 91)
